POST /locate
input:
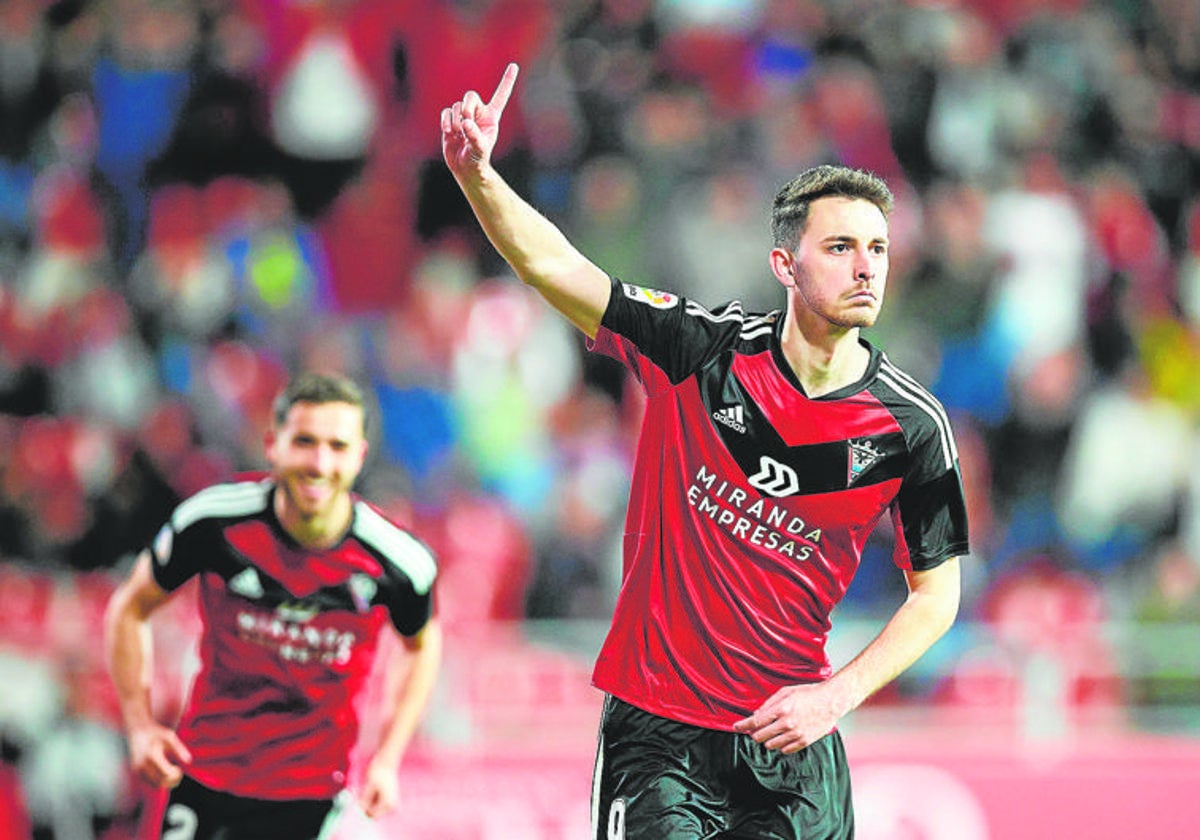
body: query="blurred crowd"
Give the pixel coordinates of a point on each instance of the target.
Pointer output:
(200, 197)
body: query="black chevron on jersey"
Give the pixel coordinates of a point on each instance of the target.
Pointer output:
(816, 468)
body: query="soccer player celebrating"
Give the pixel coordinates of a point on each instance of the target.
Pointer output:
(298, 578)
(771, 446)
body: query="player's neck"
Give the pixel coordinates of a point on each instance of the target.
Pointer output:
(823, 357)
(318, 531)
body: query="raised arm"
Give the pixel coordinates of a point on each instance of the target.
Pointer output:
(536, 249)
(798, 715)
(155, 751)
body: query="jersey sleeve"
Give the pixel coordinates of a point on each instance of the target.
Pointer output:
(175, 557)
(930, 511)
(409, 583)
(409, 569)
(409, 609)
(187, 544)
(659, 334)
(931, 521)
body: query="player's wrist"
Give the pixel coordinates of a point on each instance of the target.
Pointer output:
(137, 718)
(844, 695)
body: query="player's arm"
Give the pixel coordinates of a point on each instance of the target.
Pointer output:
(156, 753)
(532, 245)
(796, 716)
(411, 676)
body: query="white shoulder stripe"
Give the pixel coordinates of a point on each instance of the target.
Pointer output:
(396, 545)
(754, 332)
(760, 320)
(240, 499)
(730, 312)
(908, 387)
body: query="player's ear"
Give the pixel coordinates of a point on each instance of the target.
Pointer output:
(269, 441)
(783, 266)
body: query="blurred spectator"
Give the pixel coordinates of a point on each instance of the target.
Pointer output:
(577, 559)
(609, 216)
(1038, 232)
(139, 83)
(671, 136)
(513, 362)
(279, 269)
(411, 361)
(1130, 241)
(109, 376)
(1049, 667)
(1124, 472)
(729, 202)
(222, 126)
(848, 107)
(610, 53)
(74, 774)
(370, 239)
(29, 90)
(181, 284)
(231, 393)
(29, 94)
(328, 82)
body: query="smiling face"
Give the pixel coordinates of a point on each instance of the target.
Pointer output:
(316, 453)
(838, 271)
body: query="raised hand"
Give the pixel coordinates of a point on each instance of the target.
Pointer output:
(470, 126)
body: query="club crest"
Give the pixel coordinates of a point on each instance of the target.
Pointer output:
(362, 590)
(863, 455)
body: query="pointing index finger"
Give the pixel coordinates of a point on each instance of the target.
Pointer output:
(505, 88)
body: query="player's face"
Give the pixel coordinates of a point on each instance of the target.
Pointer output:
(841, 263)
(316, 455)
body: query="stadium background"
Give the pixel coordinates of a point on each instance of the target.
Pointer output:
(197, 198)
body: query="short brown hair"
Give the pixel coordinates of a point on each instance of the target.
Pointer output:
(319, 388)
(789, 214)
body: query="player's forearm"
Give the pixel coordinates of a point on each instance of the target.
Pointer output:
(411, 696)
(923, 618)
(128, 655)
(538, 251)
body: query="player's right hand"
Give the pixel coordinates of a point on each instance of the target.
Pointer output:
(157, 755)
(470, 126)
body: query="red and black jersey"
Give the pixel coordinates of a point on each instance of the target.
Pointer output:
(751, 504)
(289, 636)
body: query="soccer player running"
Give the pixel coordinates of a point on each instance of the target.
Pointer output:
(298, 579)
(771, 446)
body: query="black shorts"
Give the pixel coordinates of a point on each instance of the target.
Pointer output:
(657, 779)
(194, 812)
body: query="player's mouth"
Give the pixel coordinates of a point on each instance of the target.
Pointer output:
(314, 491)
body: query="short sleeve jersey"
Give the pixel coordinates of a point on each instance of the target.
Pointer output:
(751, 504)
(289, 636)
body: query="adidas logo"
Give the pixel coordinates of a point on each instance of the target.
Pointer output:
(246, 584)
(733, 416)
